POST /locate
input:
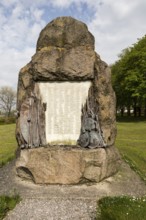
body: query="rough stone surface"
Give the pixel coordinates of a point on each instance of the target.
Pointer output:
(53, 63)
(65, 52)
(68, 55)
(66, 165)
(65, 32)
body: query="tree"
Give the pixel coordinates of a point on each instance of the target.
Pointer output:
(129, 77)
(7, 100)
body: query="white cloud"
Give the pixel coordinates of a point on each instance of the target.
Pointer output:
(37, 14)
(115, 25)
(17, 11)
(8, 3)
(20, 27)
(11, 62)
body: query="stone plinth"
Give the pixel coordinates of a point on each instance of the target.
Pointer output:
(67, 165)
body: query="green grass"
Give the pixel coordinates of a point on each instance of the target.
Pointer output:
(7, 152)
(131, 142)
(7, 143)
(7, 203)
(122, 208)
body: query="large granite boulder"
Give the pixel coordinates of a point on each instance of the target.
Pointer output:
(65, 53)
(65, 32)
(67, 165)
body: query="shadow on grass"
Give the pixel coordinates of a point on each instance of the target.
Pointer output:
(130, 119)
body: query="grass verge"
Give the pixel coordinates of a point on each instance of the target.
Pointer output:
(122, 208)
(8, 203)
(131, 142)
(7, 143)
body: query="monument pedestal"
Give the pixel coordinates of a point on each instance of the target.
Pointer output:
(67, 165)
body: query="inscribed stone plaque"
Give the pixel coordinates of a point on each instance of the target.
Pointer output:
(63, 115)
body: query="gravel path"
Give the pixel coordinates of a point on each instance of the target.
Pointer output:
(56, 202)
(54, 209)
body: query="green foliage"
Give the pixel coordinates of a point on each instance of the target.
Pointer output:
(122, 208)
(7, 143)
(7, 203)
(129, 76)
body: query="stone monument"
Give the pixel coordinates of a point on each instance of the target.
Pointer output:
(66, 124)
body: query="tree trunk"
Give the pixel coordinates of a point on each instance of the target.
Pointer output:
(145, 112)
(135, 108)
(145, 109)
(128, 111)
(135, 111)
(139, 111)
(122, 112)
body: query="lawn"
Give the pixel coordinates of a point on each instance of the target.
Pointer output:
(131, 142)
(8, 143)
(8, 203)
(122, 208)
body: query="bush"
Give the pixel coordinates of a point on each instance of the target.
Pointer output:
(7, 120)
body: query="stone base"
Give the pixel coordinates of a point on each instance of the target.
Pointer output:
(67, 165)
